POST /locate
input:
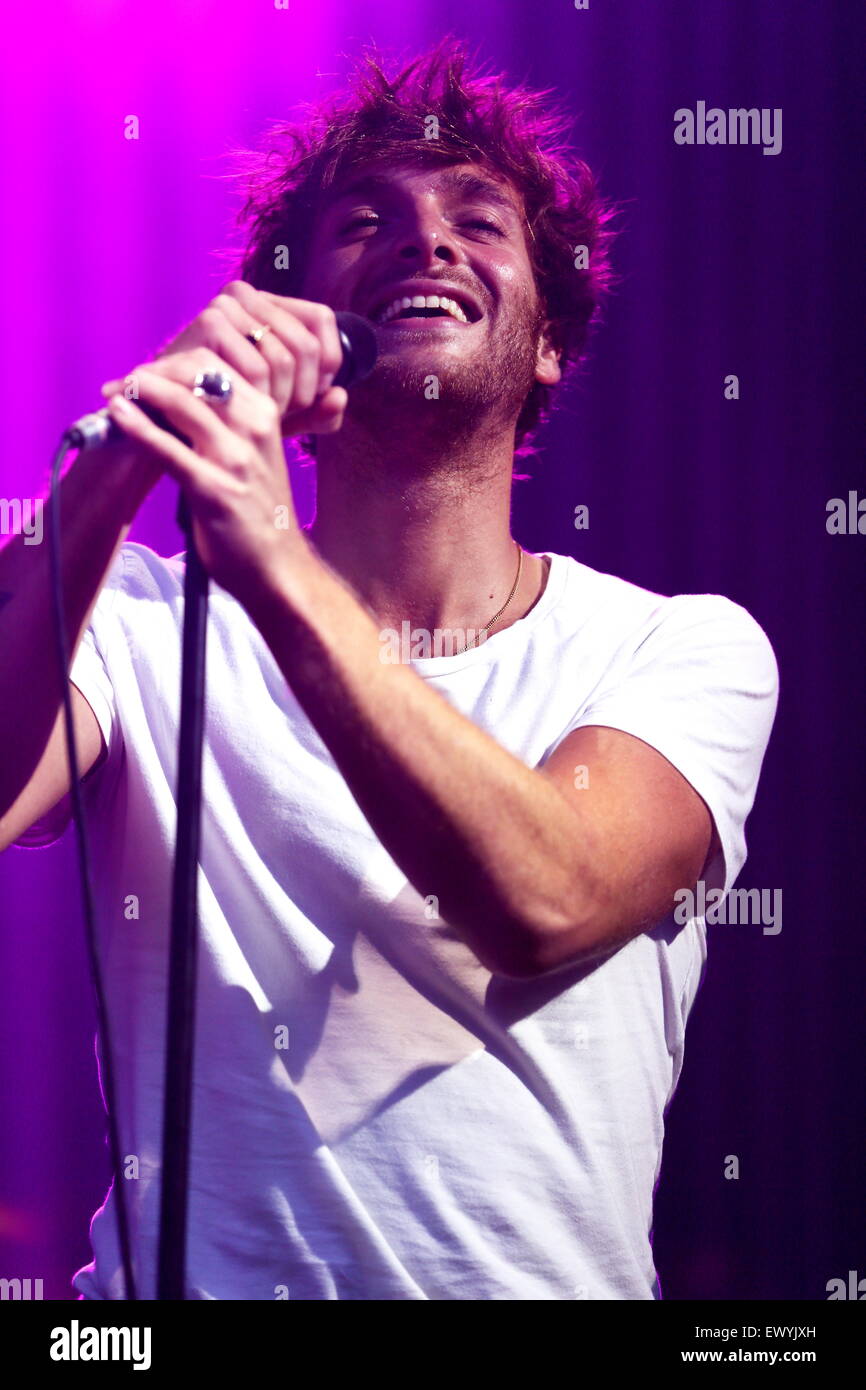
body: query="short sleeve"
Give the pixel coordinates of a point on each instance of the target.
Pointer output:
(89, 674)
(701, 687)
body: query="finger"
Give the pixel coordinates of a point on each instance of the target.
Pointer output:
(296, 354)
(278, 310)
(297, 350)
(321, 320)
(216, 436)
(324, 417)
(184, 367)
(182, 463)
(285, 367)
(223, 327)
(279, 353)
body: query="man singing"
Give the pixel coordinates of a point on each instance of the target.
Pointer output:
(442, 991)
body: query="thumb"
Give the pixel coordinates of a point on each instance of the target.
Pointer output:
(324, 416)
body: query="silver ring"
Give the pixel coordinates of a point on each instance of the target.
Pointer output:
(215, 385)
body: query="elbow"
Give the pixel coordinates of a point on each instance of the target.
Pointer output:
(524, 941)
(533, 947)
(552, 937)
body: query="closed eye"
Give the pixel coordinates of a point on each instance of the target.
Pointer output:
(372, 219)
(364, 219)
(486, 225)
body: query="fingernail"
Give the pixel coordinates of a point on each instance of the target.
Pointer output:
(326, 382)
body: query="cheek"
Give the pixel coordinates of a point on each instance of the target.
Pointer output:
(315, 277)
(505, 271)
(511, 277)
(329, 278)
(516, 288)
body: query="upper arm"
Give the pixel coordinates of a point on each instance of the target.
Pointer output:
(650, 834)
(43, 806)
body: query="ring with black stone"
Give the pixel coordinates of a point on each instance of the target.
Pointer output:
(215, 385)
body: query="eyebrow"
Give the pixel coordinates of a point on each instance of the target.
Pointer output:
(461, 181)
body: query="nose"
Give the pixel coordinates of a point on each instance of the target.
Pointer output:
(425, 238)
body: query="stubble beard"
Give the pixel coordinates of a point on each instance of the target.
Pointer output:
(458, 406)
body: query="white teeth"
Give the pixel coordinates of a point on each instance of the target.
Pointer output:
(421, 301)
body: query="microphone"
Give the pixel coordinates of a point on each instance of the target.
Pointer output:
(360, 349)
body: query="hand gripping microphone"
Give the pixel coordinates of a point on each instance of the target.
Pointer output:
(357, 339)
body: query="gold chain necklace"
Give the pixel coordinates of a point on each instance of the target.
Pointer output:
(496, 616)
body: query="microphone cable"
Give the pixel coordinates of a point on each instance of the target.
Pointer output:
(360, 348)
(83, 850)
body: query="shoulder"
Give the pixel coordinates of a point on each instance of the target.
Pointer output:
(141, 607)
(713, 631)
(141, 586)
(638, 618)
(140, 570)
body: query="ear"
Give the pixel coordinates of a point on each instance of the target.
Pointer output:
(547, 368)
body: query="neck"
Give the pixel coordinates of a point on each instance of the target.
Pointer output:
(419, 526)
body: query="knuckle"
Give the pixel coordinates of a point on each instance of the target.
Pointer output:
(260, 376)
(284, 364)
(267, 416)
(219, 304)
(331, 355)
(312, 346)
(284, 359)
(146, 375)
(240, 465)
(325, 316)
(211, 318)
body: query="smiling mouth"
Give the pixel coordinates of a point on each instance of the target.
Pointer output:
(421, 306)
(422, 323)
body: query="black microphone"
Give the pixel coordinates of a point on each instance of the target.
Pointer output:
(360, 349)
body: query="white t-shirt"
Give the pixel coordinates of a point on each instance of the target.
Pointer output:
(376, 1116)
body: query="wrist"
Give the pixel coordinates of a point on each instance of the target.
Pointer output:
(283, 588)
(118, 473)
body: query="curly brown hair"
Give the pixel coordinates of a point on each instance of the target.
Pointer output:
(518, 132)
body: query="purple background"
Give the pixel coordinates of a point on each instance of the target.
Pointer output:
(733, 261)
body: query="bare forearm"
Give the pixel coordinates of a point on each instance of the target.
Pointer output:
(100, 493)
(465, 820)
